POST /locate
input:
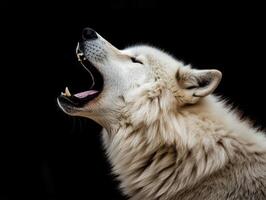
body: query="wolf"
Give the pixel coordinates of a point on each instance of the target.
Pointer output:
(166, 135)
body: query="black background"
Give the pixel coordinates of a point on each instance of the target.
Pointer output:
(48, 155)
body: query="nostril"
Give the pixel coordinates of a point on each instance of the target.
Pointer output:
(89, 34)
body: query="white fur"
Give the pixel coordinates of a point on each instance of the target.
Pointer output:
(166, 136)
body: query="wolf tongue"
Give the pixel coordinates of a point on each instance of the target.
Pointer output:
(85, 94)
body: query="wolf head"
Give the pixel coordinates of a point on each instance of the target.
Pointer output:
(135, 74)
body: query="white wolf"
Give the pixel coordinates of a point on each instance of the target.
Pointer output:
(166, 136)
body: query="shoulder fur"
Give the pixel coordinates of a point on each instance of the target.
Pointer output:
(161, 151)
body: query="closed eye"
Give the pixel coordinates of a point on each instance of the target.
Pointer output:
(134, 60)
(191, 87)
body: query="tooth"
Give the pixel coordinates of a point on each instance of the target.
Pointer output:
(62, 93)
(79, 55)
(67, 93)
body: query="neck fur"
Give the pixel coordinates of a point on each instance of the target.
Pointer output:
(159, 150)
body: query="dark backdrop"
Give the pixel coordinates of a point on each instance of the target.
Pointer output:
(48, 155)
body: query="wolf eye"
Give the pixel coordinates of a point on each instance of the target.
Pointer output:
(134, 60)
(191, 87)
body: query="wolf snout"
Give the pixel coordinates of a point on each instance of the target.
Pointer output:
(89, 34)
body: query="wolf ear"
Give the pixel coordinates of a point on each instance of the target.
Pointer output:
(198, 83)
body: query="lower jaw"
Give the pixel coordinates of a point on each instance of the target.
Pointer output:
(65, 107)
(76, 100)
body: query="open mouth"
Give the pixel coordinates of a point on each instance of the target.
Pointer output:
(81, 98)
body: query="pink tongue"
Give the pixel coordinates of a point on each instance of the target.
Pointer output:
(82, 95)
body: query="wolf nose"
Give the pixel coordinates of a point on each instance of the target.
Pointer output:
(89, 34)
